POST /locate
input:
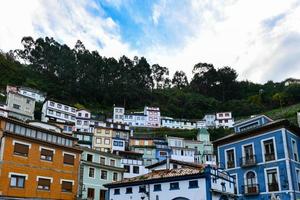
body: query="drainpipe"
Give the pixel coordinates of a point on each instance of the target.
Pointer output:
(168, 162)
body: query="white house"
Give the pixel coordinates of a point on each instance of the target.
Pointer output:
(179, 151)
(19, 106)
(44, 125)
(83, 120)
(175, 184)
(153, 116)
(210, 120)
(118, 115)
(201, 124)
(133, 163)
(224, 119)
(135, 119)
(37, 95)
(56, 111)
(169, 122)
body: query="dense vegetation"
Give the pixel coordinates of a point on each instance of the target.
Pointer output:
(82, 77)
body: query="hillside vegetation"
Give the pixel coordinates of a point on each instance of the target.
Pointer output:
(84, 78)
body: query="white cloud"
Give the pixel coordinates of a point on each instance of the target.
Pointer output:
(66, 21)
(232, 33)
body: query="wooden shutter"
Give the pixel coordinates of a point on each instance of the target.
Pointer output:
(44, 182)
(21, 149)
(67, 186)
(47, 152)
(68, 159)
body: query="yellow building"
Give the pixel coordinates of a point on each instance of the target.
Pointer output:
(37, 163)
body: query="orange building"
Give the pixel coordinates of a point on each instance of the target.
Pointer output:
(37, 163)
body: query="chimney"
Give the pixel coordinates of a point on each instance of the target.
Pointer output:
(168, 162)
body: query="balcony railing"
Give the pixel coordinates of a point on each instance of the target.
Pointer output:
(248, 161)
(252, 189)
(269, 156)
(273, 187)
(230, 164)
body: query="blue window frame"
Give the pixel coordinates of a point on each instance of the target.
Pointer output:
(120, 143)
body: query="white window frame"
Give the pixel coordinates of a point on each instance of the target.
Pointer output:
(297, 177)
(67, 180)
(295, 150)
(236, 182)
(44, 177)
(94, 172)
(266, 179)
(49, 149)
(264, 151)
(20, 142)
(17, 174)
(248, 144)
(234, 153)
(72, 154)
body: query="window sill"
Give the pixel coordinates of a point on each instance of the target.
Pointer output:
(193, 187)
(175, 189)
(14, 187)
(41, 190)
(156, 190)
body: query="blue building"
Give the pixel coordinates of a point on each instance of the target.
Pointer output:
(262, 155)
(162, 150)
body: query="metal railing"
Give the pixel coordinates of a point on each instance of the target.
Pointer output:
(248, 161)
(252, 189)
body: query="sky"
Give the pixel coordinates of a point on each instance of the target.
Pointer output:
(260, 39)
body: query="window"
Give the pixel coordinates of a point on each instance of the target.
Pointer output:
(115, 176)
(272, 180)
(44, 184)
(298, 178)
(103, 174)
(66, 186)
(129, 190)
(146, 142)
(230, 158)
(46, 154)
(66, 108)
(193, 184)
(66, 116)
(73, 110)
(112, 162)
(136, 142)
(58, 114)
(98, 140)
(175, 166)
(51, 112)
(91, 193)
(295, 150)
(107, 141)
(86, 115)
(121, 144)
(79, 122)
(142, 188)
(16, 106)
(235, 183)
(136, 169)
(85, 123)
(117, 191)
(59, 105)
(92, 172)
(68, 159)
(127, 168)
(21, 149)
(157, 187)
(79, 114)
(174, 186)
(102, 160)
(163, 153)
(17, 181)
(89, 157)
(116, 143)
(269, 150)
(51, 103)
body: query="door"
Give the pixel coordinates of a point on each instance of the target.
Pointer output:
(249, 158)
(102, 194)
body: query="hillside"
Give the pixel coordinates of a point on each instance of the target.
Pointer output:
(289, 112)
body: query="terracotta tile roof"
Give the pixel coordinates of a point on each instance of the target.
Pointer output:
(188, 164)
(160, 174)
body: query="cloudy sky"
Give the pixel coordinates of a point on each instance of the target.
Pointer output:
(258, 38)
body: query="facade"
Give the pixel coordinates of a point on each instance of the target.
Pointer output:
(3, 110)
(102, 138)
(96, 169)
(263, 157)
(135, 120)
(36, 162)
(20, 107)
(145, 146)
(205, 153)
(37, 95)
(169, 122)
(133, 163)
(48, 126)
(66, 127)
(59, 112)
(118, 115)
(153, 116)
(210, 120)
(175, 184)
(84, 139)
(83, 121)
(224, 119)
(172, 164)
(162, 149)
(179, 151)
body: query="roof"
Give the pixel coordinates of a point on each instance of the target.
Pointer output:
(100, 152)
(160, 176)
(27, 97)
(32, 90)
(250, 119)
(189, 164)
(281, 123)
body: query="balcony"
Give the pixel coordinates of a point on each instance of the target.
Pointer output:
(252, 189)
(269, 157)
(230, 164)
(273, 187)
(248, 161)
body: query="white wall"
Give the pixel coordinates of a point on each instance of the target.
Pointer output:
(165, 193)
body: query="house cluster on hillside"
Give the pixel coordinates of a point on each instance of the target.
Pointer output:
(151, 117)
